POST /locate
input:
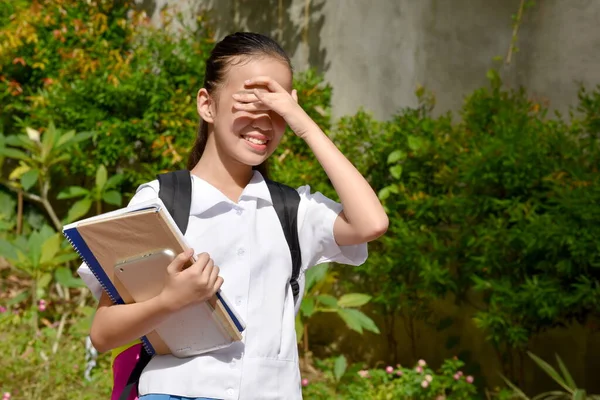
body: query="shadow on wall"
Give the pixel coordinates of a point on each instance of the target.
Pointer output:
(295, 24)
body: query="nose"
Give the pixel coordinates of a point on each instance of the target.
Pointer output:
(262, 121)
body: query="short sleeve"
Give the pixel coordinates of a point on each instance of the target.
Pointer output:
(145, 192)
(316, 217)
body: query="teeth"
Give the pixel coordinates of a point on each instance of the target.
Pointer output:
(255, 140)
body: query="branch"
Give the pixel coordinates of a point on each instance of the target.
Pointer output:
(37, 199)
(515, 31)
(16, 189)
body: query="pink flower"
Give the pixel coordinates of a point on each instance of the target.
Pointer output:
(2, 309)
(419, 370)
(470, 379)
(460, 373)
(456, 376)
(304, 382)
(422, 363)
(363, 373)
(389, 369)
(399, 373)
(424, 384)
(6, 396)
(42, 305)
(428, 378)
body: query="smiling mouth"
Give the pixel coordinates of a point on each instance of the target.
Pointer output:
(256, 140)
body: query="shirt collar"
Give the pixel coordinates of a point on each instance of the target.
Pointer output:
(206, 196)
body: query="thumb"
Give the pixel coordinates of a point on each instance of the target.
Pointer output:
(179, 262)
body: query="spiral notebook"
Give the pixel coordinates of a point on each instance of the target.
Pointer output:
(104, 240)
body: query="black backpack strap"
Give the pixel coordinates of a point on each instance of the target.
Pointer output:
(286, 201)
(134, 377)
(176, 193)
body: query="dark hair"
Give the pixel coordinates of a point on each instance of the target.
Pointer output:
(240, 44)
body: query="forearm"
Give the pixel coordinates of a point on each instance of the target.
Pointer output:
(362, 209)
(117, 325)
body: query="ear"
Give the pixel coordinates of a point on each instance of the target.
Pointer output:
(205, 106)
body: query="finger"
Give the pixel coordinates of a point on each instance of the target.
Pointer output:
(245, 97)
(214, 274)
(295, 95)
(207, 271)
(271, 84)
(251, 106)
(201, 262)
(179, 262)
(218, 285)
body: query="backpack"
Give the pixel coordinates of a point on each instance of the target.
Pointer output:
(176, 193)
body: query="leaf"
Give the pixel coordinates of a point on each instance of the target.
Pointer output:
(350, 319)
(80, 137)
(327, 300)
(19, 171)
(515, 389)
(101, 176)
(65, 278)
(366, 322)
(71, 192)
(550, 371)
(307, 307)
(315, 274)
(339, 368)
(44, 281)
(579, 394)
(16, 154)
(48, 140)
(396, 156)
(63, 258)
(384, 193)
(353, 300)
(79, 209)
(50, 247)
(34, 244)
(114, 181)
(112, 197)
(565, 372)
(65, 137)
(7, 250)
(18, 298)
(29, 178)
(299, 328)
(396, 171)
(414, 143)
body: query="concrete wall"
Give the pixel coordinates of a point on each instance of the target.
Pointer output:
(374, 53)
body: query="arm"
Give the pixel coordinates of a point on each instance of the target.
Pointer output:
(363, 218)
(116, 325)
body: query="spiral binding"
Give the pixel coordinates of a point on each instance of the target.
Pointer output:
(103, 284)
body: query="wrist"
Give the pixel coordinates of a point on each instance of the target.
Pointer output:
(165, 303)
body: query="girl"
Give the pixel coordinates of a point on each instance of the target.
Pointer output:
(245, 104)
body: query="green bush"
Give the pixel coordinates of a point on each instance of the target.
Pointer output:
(399, 383)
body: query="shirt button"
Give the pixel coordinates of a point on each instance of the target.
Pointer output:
(230, 391)
(238, 301)
(239, 211)
(241, 251)
(232, 364)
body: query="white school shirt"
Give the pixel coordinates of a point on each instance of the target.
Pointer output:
(246, 241)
